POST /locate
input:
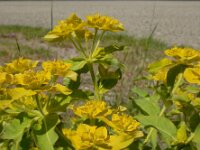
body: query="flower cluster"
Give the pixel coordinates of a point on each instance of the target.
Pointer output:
(182, 66)
(117, 131)
(76, 27)
(185, 59)
(104, 23)
(22, 79)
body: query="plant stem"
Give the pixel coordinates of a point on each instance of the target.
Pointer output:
(176, 85)
(99, 40)
(94, 39)
(39, 105)
(81, 47)
(96, 88)
(77, 48)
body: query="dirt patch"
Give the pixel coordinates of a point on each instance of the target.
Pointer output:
(13, 45)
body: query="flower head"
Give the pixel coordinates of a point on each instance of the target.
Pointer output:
(161, 75)
(59, 68)
(192, 75)
(125, 123)
(92, 109)
(65, 28)
(87, 137)
(184, 55)
(5, 78)
(19, 66)
(33, 80)
(104, 23)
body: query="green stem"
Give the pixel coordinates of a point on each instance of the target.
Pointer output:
(177, 83)
(94, 39)
(77, 48)
(99, 40)
(96, 88)
(81, 47)
(39, 105)
(152, 129)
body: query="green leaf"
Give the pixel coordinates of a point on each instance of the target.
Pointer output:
(15, 128)
(108, 78)
(46, 136)
(101, 52)
(149, 105)
(73, 85)
(153, 139)
(173, 73)
(58, 103)
(113, 48)
(162, 124)
(182, 133)
(81, 95)
(78, 65)
(109, 73)
(154, 67)
(140, 92)
(196, 138)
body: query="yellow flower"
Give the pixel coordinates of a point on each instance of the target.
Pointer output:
(59, 68)
(5, 78)
(104, 23)
(88, 137)
(192, 75)
(92, 109)
(33, 80)
(19, 66)
(65, 28)
(184, 55)
(62, 89)
(125, 123)
(161, 75)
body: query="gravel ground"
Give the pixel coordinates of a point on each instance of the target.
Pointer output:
(177, 22)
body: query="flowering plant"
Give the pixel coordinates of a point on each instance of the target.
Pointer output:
(172, 110)
(43, 106)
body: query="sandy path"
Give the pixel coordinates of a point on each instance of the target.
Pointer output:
(178, 22)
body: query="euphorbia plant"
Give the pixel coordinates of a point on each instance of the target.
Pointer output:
(170, 114)
(42, 105)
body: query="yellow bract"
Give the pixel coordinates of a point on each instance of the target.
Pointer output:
(182, 58)
(92, 109)
(104, 23)
(125, 123)
(62, 89)
(161, 75)
(74, 27)
(183, 54)
(5, 78)
(33, 80)
(59, 68)
(192, 75)
(65, 28)
(17, 93)
(88, 137)
(19, 66)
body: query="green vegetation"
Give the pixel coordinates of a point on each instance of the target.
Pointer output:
(84, 102)
(32, 45)
(26, 31)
